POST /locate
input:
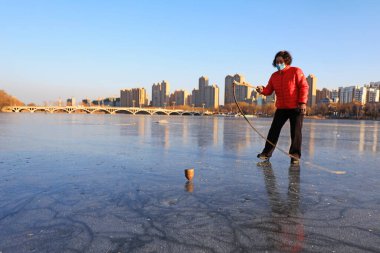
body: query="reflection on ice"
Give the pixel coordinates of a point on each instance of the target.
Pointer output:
(189, 186)
(375, 138)
(289, 232)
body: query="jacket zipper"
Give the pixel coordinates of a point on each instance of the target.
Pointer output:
(282, 84)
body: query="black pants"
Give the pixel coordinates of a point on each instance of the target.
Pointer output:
(280, 117)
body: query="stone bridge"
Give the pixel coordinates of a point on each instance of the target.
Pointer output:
(99, 109)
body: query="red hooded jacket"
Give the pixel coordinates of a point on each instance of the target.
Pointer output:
(290, 86)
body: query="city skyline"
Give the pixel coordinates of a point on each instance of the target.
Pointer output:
(78, 49)
(208, 95)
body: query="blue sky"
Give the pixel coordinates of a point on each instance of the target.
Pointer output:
(63, 48)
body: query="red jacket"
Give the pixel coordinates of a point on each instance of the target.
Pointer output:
(290, 86)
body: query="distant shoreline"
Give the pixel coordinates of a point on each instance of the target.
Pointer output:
(314, 117)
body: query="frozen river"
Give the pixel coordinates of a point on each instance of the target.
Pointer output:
(115, 183)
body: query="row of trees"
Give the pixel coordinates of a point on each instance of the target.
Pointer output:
(7, 100)
(266, 109)
(352, 110)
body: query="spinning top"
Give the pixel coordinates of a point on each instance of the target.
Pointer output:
(189, 174)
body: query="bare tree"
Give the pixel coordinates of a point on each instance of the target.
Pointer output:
(8, 100)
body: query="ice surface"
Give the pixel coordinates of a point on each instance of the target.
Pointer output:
(115, 183)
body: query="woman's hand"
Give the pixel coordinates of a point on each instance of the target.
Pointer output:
(260, 89)
(302, 108)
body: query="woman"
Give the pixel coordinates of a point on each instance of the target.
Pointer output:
(291, 88)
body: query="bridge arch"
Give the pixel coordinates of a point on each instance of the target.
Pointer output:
(59, 110)
(187, 114)
(143, 112)
(100, 110)
(160, 113)
(7, 109)
(123, 111)
(174, 113)
(80, 110)
(39, 110)
(24, 110)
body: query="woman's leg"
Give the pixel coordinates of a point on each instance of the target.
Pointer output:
(296, 122)
(280, 117)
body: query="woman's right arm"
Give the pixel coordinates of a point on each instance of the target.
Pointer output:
(268, 90)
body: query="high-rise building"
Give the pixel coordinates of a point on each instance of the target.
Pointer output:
(322, 94)
(135, 97)
(360, 95)
(373, 95)
(243, 92)
(86, 102)
(205, 95)
(254, 95)
(228, 86)
(212, 96)
(259, 99)
(189, 99)
(271, 98)
(196, 98)
(71, 102)
(318, 96)
(374, 85)
(160, 94)
(334, 95)
(156, 95)
(171, 100)
(165, 91)
(346, 94)
(203, 83)
(312, 96)
(179, 97)
(111, 101)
